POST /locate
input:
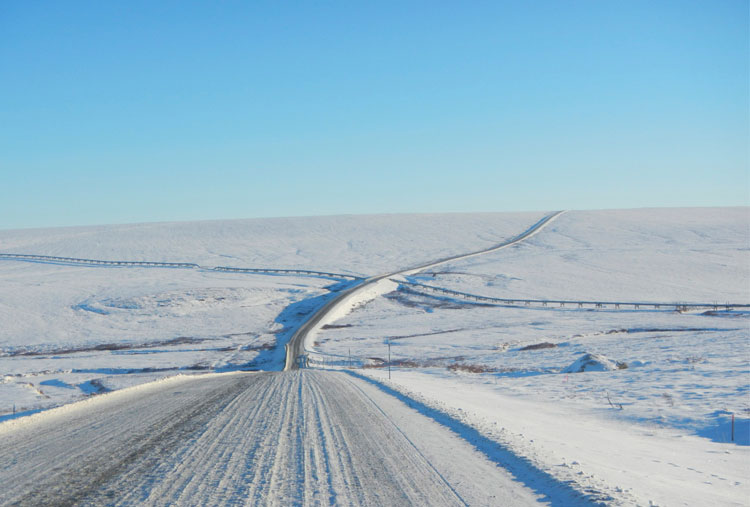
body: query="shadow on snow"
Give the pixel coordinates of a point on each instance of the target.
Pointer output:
(555, 491)
(291, 318)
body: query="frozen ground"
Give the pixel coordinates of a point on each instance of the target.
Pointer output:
(675, 378)
(649, 421)
(70, 331)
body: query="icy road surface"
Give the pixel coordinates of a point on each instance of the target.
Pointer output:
(245, 438)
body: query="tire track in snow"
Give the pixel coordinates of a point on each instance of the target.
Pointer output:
(292, 438)
(416, 449)
(86, 458)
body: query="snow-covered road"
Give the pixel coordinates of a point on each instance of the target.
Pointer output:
(246, 438)
(343, 302)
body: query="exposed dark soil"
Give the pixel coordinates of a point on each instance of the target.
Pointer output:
(259, 346)
(180, 340)
(730, 314)
(401, 337)
(538, 346)
(471, 368)
(336, 326)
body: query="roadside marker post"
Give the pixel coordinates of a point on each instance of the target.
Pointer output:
(389, 359)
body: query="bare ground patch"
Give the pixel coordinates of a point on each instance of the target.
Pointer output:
(539, 346)
(470, 368)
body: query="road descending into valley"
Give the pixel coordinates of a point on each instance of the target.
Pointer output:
(288, 438)
(279, 438)
(296, 346)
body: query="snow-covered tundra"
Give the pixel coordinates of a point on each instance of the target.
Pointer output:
(639, 404)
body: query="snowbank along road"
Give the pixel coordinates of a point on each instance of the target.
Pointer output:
(290, 438)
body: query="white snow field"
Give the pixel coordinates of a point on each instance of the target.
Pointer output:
(650, 421)
(486, 404)
(70, 330)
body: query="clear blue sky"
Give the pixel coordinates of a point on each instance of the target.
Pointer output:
(116, 112)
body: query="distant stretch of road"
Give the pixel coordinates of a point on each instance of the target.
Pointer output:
(305, 437)
(296, 346)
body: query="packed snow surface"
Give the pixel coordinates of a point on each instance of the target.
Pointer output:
(310, 438)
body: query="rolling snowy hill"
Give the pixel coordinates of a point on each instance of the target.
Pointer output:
(565, 387)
